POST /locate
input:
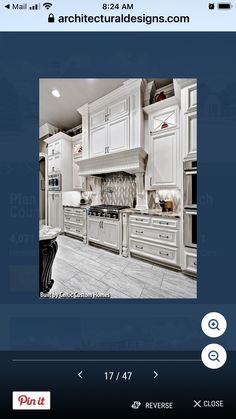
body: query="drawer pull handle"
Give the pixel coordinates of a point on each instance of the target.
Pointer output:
(195, 263)
(164, 222)
(163, 237)
(141, 232)
(139, 247)
(139, 219)
(163, 254)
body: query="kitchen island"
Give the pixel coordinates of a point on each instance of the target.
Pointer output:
(47, 252)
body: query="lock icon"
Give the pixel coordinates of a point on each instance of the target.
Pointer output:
(51, 18)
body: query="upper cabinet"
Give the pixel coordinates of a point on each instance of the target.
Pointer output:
(189, 121)
(59, 158)
(164, 148)
(109, 128)
(115, 110)
(114, 123)
(164, 164)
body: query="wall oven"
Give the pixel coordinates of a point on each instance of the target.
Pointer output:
(190, 203)
(190, 184)
(54, 182)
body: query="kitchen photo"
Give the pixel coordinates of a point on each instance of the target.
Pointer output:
(118, 188)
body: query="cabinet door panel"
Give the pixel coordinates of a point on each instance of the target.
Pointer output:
(54, 210)
(110, 234)
(97, 118)
(50, 164)
(94, 230)
(165, 119)
(191, 133)
(98, 141)
(57, 163)
(118, 109)
(118, 135)
(164, 163)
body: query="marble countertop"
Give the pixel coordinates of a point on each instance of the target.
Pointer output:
(48, 233)
(79, 206)
(168, 214)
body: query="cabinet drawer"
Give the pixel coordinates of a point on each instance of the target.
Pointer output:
(164, 222)
(166, 237)
(74, 219)
(139, 219)
(191, 262)
(72, 229)
(74, 211)
(160, 253)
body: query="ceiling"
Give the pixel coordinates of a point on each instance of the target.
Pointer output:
(61, 112)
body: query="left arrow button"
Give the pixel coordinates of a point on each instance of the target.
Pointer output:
(8, 6)
(80, 375)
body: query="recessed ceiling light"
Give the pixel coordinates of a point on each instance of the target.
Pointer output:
(56, 93)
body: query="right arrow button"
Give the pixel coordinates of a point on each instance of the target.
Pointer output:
(155, 375)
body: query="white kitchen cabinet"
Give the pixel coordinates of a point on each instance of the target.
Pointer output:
(59, 158)
(110, 233)
(155, 238)
(118, 109)
(118, 135)
(54, 163)
(109, 128)
(190, 134)
(164, 160)
(54, 148)
(55, 213)
(110, 138)
(104, 232)
(167, 118)
(189, 121)
(190, 261)
(114, 110)
(98, 141)
(94, 230)
(98, 118)
(75, 222)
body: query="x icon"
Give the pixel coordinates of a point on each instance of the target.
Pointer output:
(197, 404)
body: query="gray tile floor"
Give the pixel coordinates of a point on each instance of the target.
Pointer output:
(89, 271)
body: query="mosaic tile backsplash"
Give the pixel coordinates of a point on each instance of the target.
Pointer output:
(118, 189)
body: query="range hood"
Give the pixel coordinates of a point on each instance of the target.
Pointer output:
(130, 161)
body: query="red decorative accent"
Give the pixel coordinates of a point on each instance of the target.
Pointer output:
(160, 96)
(164, 125)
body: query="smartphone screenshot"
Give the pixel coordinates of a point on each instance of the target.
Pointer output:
(118, 159)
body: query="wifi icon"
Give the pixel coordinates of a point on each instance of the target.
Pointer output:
(47, 5)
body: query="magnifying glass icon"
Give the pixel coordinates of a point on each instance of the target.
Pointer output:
(213, 324)
(213, 356)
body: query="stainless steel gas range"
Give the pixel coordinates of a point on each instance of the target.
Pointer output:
(105, 226)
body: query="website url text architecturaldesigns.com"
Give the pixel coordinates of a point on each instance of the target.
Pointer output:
(146, 19)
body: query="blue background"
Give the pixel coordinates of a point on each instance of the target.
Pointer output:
(29, 323)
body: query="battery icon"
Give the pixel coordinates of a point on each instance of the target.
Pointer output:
(224, 6)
